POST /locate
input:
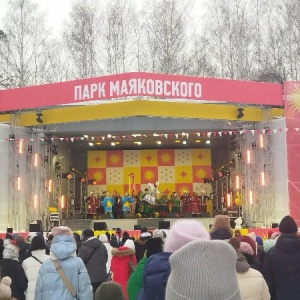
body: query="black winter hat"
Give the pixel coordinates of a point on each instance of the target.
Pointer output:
(38, 243)
(87, 233)
(153, 246)
(288, 225)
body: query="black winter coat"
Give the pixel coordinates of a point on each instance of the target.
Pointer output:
(23, 251)
(95, 264)
(281, 268)
(14, 270)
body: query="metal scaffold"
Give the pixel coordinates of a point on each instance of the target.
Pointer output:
(83, 195)
(56, 185)
(13, 173)
(71, 196)
(256, 170)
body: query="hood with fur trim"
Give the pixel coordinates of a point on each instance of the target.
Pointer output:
(122, 251)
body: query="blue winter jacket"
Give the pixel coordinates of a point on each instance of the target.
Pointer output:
(156, 273)
(49, 284)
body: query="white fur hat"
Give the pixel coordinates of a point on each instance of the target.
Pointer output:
(5, 290)
(129, 244)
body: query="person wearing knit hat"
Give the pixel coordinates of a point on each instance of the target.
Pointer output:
(109, 290)
(32, 264)
(103, 239)
(248, 252)
(251, 282)
(183, 232)
(281, 267)
(221, 229)
(203, 270)
(120, 269)
(94, 255)
(157, 269)
(249, 240)
(5, 290)
(23, 248)
(158, 233)
(10, 266)
(135, 282)
(49, 283)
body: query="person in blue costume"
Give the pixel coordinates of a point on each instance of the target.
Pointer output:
(108, 203)
(126, 202)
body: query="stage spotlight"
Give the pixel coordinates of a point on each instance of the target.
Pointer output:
(29, 149)
(57, 165)
(39, 118)
(254, 145)
(240, 113)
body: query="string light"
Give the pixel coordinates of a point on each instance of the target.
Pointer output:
(237, 182)
(248, 156)
(20, 146)
(35, 201)
(19, 183)
(228, 200)
(62, 202)
(250, 198)
(262, 177)
(36, 160)
(50, 185)
(261, 141)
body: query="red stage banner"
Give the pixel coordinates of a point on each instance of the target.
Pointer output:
(292, 115)
(161, 86)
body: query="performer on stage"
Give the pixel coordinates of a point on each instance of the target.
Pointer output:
(185, 202)
(126, 201)
(175, 203)
(91, 205)
(203, 201)
(108, 203)
(163, 205)
(194, 204)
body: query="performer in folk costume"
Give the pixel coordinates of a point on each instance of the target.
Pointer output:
(194, 204)
(92, 204)
(108, 203)
(138, 202)
(185, 202)
(117, 207)
(175, 203)
(203, 201)
(163, 205)
(126, 202)
(149, 198)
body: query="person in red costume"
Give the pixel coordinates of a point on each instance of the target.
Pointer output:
(92, 204)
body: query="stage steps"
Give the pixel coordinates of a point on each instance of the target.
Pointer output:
(77, 224)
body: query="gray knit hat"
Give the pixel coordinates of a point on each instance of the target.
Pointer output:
(109, 290)
(203, 270)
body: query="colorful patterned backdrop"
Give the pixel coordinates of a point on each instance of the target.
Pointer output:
(175, 169)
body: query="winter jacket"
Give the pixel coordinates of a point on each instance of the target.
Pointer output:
(156, 273)
(242, 265)
(253, 286)
(31, 267)
(14, 270)
(96, 262)
(140, 245)
(109, 255)
(23, 251)
(252, 261)
(135, 282)
(119, 265)
(49, 284)
(281, 268)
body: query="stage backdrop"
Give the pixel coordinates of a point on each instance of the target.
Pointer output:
(175, 169)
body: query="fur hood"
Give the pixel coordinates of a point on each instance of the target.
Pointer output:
(122, 251)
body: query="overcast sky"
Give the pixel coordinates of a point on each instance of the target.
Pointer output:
(58, 10)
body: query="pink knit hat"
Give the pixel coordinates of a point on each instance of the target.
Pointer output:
(246, 248)
(61, 230)
(183, 232)
(5, 290)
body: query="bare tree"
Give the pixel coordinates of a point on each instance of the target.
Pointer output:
(230, 32)
(166, 26)
(120, 37)
(81, 35)
(23, 51)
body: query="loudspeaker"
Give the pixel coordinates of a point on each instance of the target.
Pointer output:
(274, 225)
(100, 226)
(163, 224)
(34, 227)
(9, 230)
(205, 215)
(232, 223)
(137, 227)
